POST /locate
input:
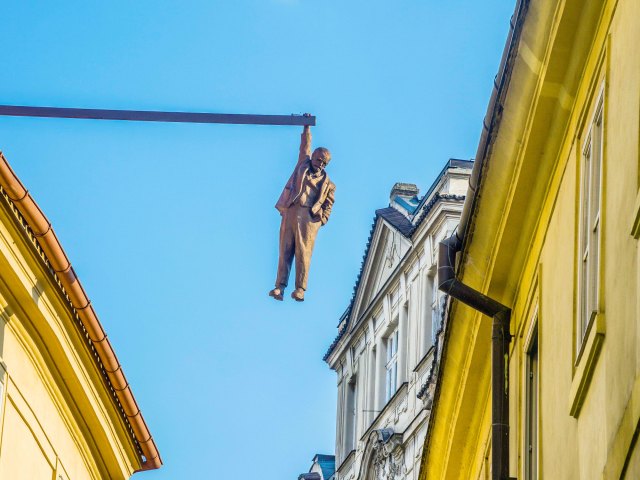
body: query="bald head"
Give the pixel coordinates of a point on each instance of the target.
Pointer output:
(320, 158)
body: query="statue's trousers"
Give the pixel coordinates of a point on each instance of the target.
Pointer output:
(298, 232)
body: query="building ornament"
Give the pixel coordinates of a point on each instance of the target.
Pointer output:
(391, 253)
(385, 456)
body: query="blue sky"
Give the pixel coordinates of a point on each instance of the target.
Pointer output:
(171, 228)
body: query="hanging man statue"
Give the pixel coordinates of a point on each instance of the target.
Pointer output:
(305, 205)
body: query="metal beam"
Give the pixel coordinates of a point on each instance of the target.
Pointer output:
(153, 116)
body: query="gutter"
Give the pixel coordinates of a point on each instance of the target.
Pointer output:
(491, 121)
(448, 283)
(81, 305)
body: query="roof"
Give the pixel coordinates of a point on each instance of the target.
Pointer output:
(309, 476)
(327, 465)
(406, 227)
(396, 219)
(344, 317)
(40, 234)
(451, 163)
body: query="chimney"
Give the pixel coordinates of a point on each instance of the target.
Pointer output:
(407, 190)
(404, 198)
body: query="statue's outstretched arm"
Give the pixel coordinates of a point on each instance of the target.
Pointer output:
(305, 144)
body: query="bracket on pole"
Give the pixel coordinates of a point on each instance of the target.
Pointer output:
(154, 116)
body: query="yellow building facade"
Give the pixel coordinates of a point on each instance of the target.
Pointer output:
(552, 233)
(66, 409)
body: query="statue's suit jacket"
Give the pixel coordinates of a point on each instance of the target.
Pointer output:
(321, 209)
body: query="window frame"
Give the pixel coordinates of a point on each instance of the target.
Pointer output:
(351, 411)
(435, 310)
(391, 365)
(590, 225)
(589, 317)
(532, 403)
(426, 326)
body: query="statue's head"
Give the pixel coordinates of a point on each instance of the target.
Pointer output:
(320, 158)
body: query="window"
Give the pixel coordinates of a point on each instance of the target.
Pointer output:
(392, 365)
(430, 313)
(589, 323)
(590, 228)
(435, 312)
(372, 401)
(531, 419)
(351, 417)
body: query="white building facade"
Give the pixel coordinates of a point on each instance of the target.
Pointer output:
(385, 348)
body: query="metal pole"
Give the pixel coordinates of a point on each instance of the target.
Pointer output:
(154, 116)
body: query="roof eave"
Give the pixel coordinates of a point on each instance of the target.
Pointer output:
(491, 123)
(76, 298)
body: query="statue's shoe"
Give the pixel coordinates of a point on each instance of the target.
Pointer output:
(298, 295)
(276, 293)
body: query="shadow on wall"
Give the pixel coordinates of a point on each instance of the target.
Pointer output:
(36, 292)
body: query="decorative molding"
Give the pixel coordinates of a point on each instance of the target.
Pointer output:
(401, 407)
(384, 458)
(586, 364)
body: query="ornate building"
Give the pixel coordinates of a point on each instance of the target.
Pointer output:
(385, 349)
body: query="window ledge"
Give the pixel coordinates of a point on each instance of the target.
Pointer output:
(392, 401)
(350, 456)
(586, 365)
(423, 360)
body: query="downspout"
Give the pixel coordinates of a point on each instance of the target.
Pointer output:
(447, 281)
(500, 339)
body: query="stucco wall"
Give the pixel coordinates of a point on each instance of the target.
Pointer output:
(57, 413)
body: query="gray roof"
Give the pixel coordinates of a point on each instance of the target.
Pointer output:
(309, 476)
(397, 219)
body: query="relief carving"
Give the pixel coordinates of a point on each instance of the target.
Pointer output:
(387, 456)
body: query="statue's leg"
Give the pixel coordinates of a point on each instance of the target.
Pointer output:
(287, 249)
(305, 238)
